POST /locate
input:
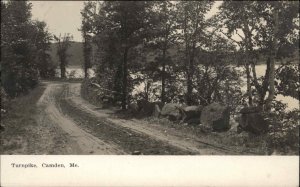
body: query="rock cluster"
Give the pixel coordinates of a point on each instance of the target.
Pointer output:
(213, 117)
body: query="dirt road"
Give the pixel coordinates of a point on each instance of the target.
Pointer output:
(91, 130)
(81, 142)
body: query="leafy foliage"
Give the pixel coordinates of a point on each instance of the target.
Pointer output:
(86, 35)
(24, 45)
(170, 51)
(64, 42)
(288, 80)
(42, 46)
(284, 128)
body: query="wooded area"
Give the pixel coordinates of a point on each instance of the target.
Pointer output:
(181, 56)
(170, 52)
(162, 40)
(24, 46)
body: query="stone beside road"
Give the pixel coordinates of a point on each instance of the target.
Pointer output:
(215, 117)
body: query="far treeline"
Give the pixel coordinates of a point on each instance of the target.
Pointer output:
(180, 55)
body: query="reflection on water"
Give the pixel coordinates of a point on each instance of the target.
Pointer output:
(77, 72)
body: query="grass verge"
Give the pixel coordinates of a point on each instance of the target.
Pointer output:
(18, 123)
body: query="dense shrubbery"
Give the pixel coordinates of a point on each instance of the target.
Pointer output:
(96, 94)
(88, 93)
(24, 45)
(283, 132)
(288, 80)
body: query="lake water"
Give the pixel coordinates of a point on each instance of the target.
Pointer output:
(77, 72)
(291, 102)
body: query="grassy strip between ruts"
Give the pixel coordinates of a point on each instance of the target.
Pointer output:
(128, 140)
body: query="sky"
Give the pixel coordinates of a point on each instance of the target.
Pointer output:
(64, 16)
(60, 16)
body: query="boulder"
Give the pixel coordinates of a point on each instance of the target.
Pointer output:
(172, 111)
(252, 121)
(145, 107)
(215, 117)
(191, 113)
(133, 108)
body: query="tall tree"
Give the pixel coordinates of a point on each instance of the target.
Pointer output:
(278, 32)
(191, 17)
(128, 21)
(63, 44)
(18, 64)
(42, 41)
(164, 37)
(263, 28)
(86, 30)
(240, 20)
(216, 80)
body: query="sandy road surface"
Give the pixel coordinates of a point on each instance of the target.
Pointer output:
(91, 130)
(81, 141)
(125, 135)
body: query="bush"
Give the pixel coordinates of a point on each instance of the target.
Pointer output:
(95, 95)
(283, 133)
(88, 93)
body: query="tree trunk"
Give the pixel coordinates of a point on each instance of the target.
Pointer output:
(190, 83)
(85, 54)
(263, 88)
(125, 72)
(85, 72)
(163, 77)
(271, 84)
(87, 57)
(249, 48)
(62, 71)
(190, 77)
(273, 51)
(249, 91)
(189, 90)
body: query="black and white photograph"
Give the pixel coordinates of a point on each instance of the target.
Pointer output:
(149, 78)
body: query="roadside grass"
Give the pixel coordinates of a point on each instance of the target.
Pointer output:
(90, 94)
(245, 143)
(242, 142)
(238, 142)
(18, 122)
